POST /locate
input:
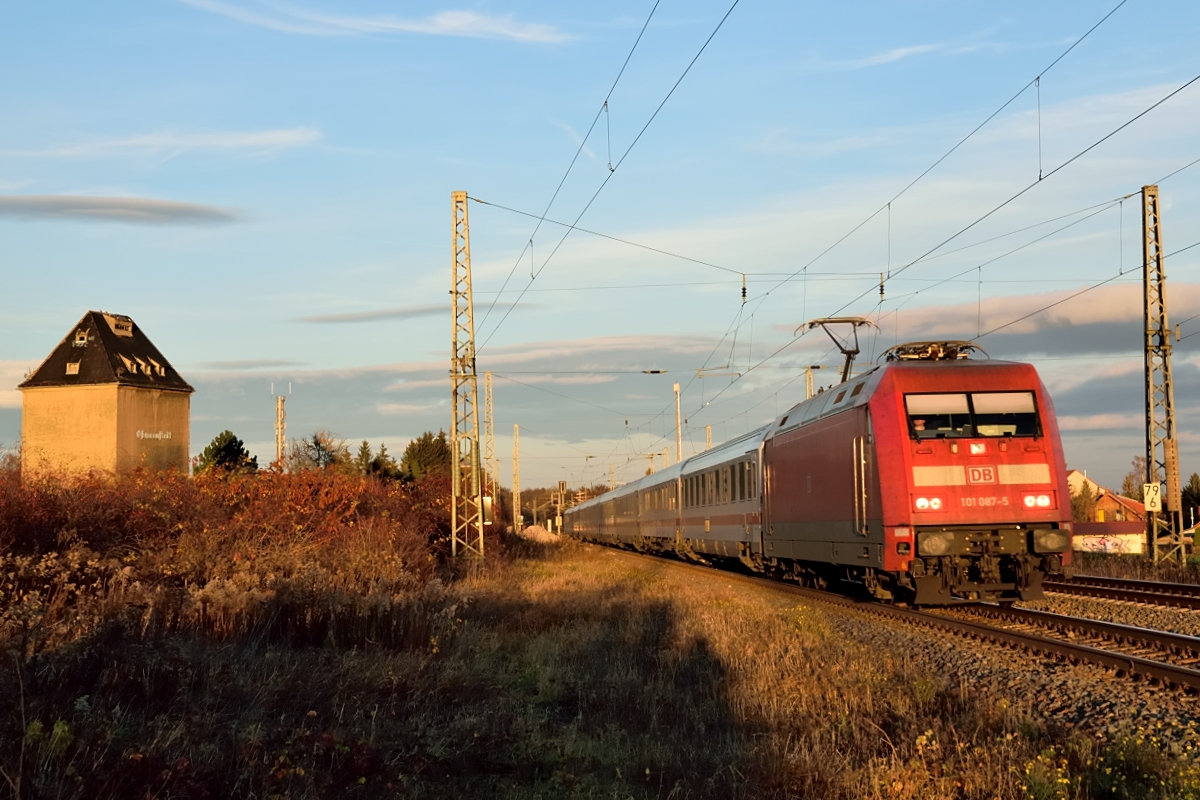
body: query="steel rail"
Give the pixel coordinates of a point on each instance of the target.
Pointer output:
(1185, 589)
(1153, 596)
(1121, 663)
(1173, 644)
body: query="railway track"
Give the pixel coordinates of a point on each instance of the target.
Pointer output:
(1173, 595)
(1168, 658)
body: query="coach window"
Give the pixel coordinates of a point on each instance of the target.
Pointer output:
(1005, 414)
(934, 416)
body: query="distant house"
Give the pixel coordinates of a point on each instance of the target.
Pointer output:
(105, 399)
(1110, 506)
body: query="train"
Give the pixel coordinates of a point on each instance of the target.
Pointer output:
(936, 477)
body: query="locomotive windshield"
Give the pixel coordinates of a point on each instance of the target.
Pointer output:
(978, 414)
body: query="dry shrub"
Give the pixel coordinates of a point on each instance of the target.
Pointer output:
(1114, 565)
(148, 509)
(128, 603)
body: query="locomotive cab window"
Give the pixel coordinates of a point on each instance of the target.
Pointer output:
(933, 416)
(1005, 414)
(980, 414)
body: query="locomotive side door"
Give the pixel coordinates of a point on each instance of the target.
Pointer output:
(865, 478)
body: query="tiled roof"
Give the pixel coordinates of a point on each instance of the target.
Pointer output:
(106, 348)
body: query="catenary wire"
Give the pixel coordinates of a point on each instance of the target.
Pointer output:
(604, 107)
(613, 170)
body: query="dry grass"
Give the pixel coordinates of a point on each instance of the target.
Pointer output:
(300, 636)
(1138, 567)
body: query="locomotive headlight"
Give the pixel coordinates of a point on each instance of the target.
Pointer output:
(1049, 541)
(935, 543)
(928, 503)
(1038, 500)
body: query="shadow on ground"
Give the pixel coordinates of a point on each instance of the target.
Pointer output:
(525, 691)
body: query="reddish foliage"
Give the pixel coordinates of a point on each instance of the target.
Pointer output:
(149, 509)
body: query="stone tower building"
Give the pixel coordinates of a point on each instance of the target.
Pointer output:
(105, 399)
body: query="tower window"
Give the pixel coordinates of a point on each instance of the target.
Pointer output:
(73, 368)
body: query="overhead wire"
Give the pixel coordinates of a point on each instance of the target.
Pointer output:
(575, 158)
(614, 168)
(960, 143)
(929, 255)
(1082, 292)
(990, 213)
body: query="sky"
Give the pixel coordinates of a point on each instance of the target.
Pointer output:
(266, 189)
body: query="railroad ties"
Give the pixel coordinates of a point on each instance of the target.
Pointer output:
(1167, 658)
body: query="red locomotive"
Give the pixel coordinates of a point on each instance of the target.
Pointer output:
(934, 478)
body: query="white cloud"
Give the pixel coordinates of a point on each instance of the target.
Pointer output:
(251, 364)
(406, 408)
(1102, 422)
(576, 139)
(12, 373)
(407, 312)
(1105, 305)
(469, 24)
(173, 143)
(138, 210)
(886, 57)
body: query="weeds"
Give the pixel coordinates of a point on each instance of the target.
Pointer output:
(301, 636)
(1139, 567)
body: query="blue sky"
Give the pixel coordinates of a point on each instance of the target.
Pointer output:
(265, 187)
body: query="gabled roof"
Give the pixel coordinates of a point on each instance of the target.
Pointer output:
(106, 348)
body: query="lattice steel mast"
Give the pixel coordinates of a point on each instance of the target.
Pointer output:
(1164, 529)
(466, 510)
(490, 463)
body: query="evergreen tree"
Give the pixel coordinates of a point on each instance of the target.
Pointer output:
(1191, 499)
(426, 455)
(362, 461)
(226, 452)
(384, 466)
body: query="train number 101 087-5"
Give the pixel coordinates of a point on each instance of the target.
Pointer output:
(984, 502)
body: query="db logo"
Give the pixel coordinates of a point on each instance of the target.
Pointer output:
(981, 474)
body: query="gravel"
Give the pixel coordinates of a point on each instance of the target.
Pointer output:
(1160, 618)
(1081, 697)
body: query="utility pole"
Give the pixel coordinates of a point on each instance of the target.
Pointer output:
(678, 429)
(466, 509)
(280, 430)
(562, 502)
(517, 519)
(490, 462)
(1164, 528)
(612, 478)
(651, 457)
(809, 390)
(708, 437)
(666, 457)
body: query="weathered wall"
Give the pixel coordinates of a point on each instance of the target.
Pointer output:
(73, 429)
(152, 428)
(68, 429)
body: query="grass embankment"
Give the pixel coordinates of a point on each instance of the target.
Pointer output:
(294, 636)
(1138, 567)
